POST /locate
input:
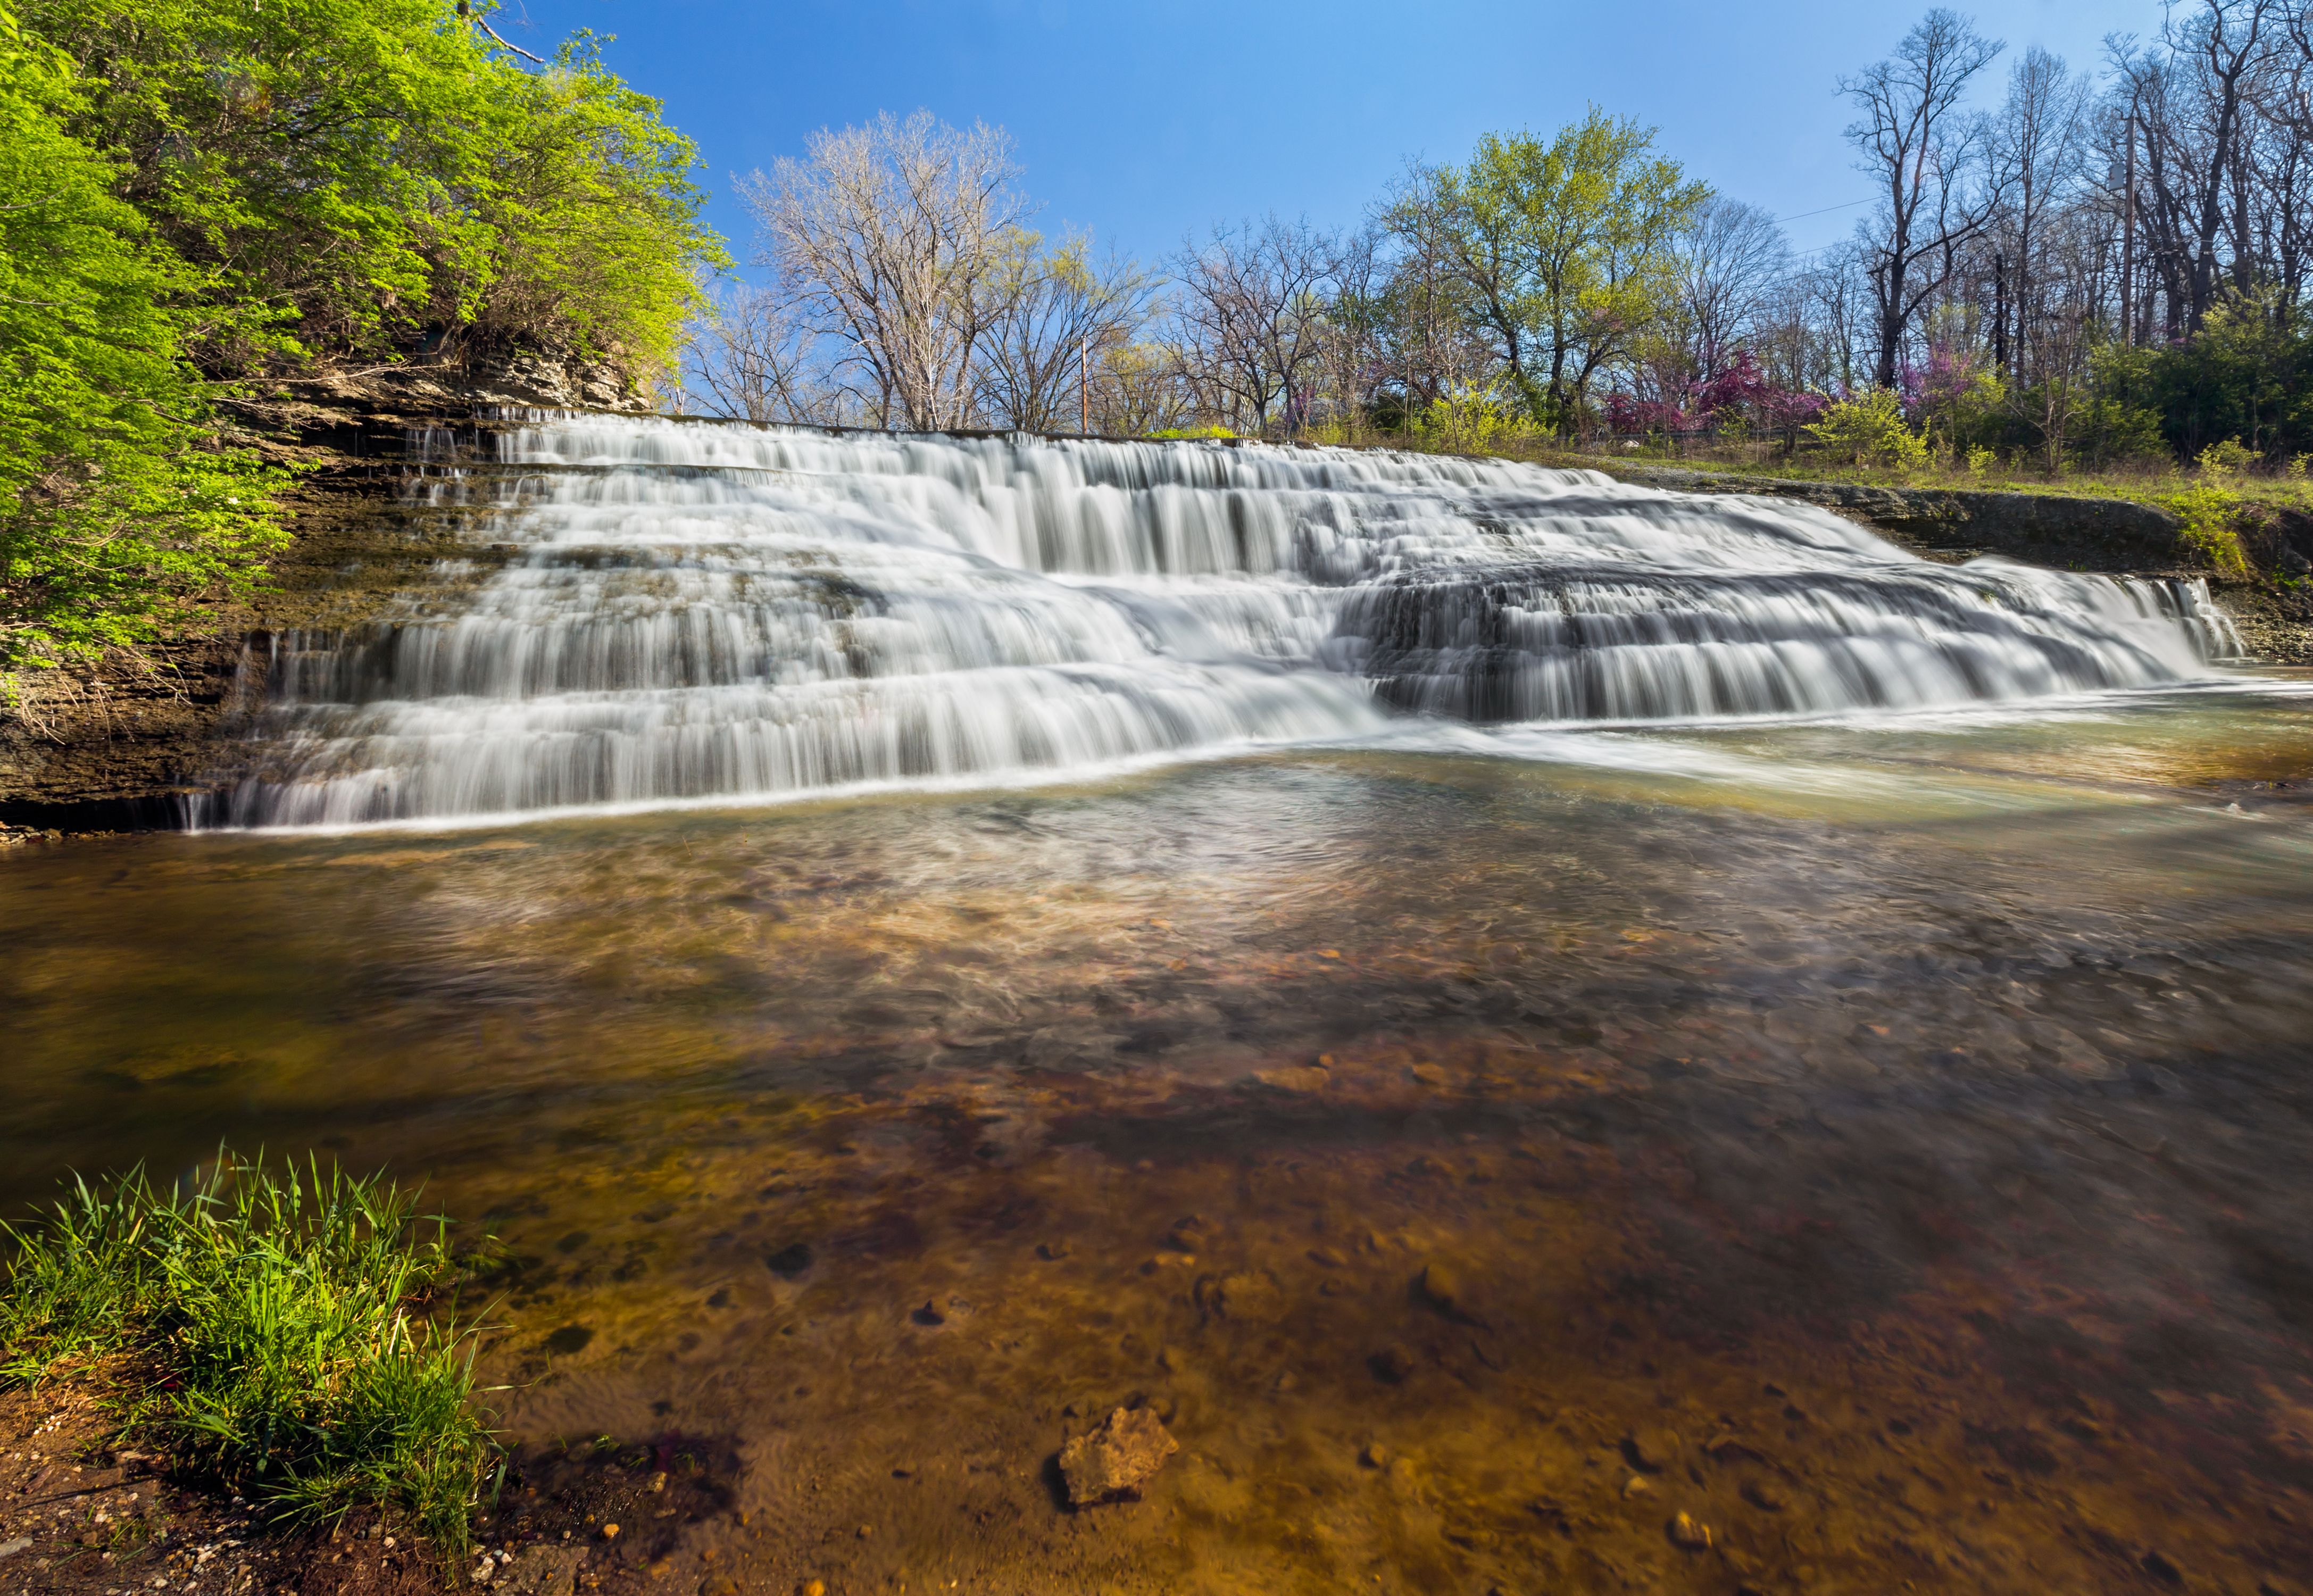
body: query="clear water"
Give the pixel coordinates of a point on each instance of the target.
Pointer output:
(1872, 1115)
(1941, 1084)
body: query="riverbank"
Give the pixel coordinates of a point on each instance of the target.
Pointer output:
(83, 1514)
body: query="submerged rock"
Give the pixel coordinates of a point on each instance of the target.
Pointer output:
(1115, 1459)
(1391, 1365)
(542, 1570)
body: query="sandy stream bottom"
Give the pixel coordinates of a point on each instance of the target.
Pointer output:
(1888, 1150)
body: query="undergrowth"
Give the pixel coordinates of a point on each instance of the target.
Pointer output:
(284, 1328)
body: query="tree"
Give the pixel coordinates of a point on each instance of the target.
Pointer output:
(2197, 99)
(1565, 250)
(750, 359)
(1052, 309)
(362, 179)
(1425, 335)
(1923, 150)
(896, 238)
(1251, 313)
(118, 505)
(1730, 257)
(2034, 152)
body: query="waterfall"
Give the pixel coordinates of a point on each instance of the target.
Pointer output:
(692, 610)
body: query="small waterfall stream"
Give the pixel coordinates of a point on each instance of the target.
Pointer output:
(692, 610)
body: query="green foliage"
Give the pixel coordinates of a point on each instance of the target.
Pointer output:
(119, 507)
(2248, 373)
(1870, 430)
(2211, 510)
(352, 176)
(1565, 250)
(1479, 423)
(2222, 462)
(198, 191)
(2110, 430)
(285, 1320)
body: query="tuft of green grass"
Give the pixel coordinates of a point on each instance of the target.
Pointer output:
(284, 1328)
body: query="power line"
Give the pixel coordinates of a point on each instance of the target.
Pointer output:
(1826, 210)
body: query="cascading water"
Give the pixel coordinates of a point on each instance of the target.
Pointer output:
(695, 610)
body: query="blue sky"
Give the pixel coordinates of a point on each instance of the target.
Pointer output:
(1141, 121)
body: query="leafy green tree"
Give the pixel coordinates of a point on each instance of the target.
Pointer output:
(118, 509)
(199, 192)
(360, 177)
(1566, 250)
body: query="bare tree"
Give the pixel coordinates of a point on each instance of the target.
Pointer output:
(2196, 94)
(1923, 148)
(751, 359)
(1142, 388)
(1731, 256)
(1053, 313)
(1252, 312)
(892, 237)
(2035, 153)
(1430, 345)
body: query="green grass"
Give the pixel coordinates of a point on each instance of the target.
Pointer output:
(278, 1332)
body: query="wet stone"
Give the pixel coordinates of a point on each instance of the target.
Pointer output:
(1116, 1458)
(1391, 1365)
(1446, 1288)
(542, 1570)
(1248, 1298)
(1653, 1451)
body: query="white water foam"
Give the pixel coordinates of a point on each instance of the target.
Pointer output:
(698, 612)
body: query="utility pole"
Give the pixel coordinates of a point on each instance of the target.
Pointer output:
(1084, 386)
(2128, 241)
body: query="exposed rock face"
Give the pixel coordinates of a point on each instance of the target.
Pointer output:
(2111, 534)
(1115, 1459)
(2274, 618)
(114, 747)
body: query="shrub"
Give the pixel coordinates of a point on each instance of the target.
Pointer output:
(1474, 422)
(281, 1331)
(2223, 462)
(2209, 511)
(1870, 429)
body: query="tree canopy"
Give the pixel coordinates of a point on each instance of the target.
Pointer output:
(195, 195)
